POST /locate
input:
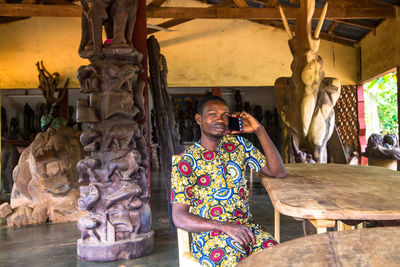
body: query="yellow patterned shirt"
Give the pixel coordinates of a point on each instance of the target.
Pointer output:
(214, 183)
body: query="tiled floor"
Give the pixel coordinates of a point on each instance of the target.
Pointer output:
(55, 244)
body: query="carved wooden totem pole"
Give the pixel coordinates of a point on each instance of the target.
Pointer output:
(114, 187)
(305, 101)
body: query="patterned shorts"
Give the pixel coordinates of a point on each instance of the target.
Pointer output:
(218, 249)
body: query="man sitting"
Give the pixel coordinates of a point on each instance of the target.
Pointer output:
(209, 193)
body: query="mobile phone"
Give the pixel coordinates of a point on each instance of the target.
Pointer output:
(235, 124)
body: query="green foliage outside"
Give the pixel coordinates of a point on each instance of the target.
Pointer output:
(384, 91)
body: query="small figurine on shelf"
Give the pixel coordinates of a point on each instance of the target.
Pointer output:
(14, 128)
(247, 107)
(258, 113)
(29, 120)
(238, 100)
(4, 127)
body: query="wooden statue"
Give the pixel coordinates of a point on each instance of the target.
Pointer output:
(382, 148)
(29, 122)
(118, 18)
(48, 84)
(46, 180)
(168, 137)
(4, 127)
(113, 179)
(305, 101)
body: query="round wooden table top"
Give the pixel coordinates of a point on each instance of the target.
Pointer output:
(336, 191)
(366, 247)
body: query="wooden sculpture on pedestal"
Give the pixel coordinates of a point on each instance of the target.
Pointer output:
(114, 185)
(305, 101)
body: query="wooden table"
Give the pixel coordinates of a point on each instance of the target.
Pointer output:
(324, 193)
(366, 247)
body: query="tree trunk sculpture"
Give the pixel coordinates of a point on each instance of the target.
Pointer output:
(166, 127)
(305, 101)
(114, 185)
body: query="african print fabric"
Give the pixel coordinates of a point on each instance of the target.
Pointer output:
(215, 187)
(57, 122)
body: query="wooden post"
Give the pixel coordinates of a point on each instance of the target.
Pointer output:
(322, 225)
(361, 123)
(277, 225)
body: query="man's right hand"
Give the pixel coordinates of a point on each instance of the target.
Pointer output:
(241, 233)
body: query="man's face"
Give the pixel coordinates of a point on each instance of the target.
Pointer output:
(214, 120)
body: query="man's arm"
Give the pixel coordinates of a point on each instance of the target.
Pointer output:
(185, 220)
(274, 166)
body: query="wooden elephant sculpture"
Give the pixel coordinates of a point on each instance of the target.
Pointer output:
(118, 18)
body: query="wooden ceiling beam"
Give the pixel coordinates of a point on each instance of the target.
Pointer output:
(265, 13)
(323, 35)
(333, 27)
(272, 3)
(241, 3)
(356, 23)
(156, 3)
(174, 22)
(334, 13)
(30, 10)
(4, 20)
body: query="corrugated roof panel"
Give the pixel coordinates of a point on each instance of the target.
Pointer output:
(325, 27)
(370, 22)
(349, 31)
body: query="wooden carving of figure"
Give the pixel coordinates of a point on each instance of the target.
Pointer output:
(305, 101)
(118, 18)
(48, 85)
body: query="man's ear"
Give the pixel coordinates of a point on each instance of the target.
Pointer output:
(198, 118)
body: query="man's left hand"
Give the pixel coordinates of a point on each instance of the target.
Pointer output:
(250, 124)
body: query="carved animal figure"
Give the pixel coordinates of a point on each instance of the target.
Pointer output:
(91, 139)
(122, 136)
(122, 208)
(107, 76)
(87, 170)
(88, 197)
(118, 18)
(306, 100)
(127, 192)
(87, 226)
(89, 78)
(128, 165)
(46, 180)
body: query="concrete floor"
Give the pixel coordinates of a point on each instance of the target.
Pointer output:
(55, 244)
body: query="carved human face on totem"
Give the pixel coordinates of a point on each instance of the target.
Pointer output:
(214, 119)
